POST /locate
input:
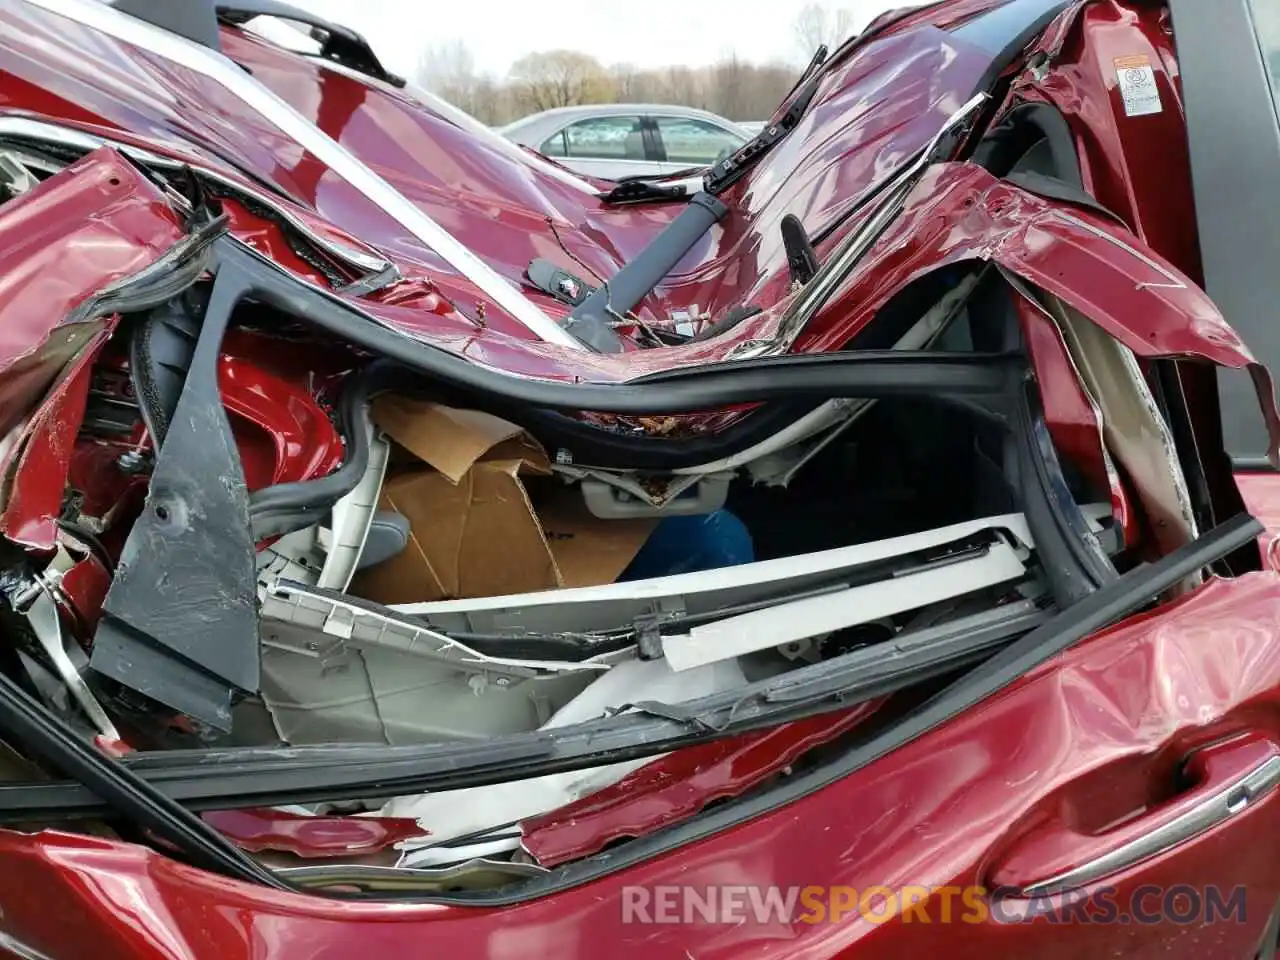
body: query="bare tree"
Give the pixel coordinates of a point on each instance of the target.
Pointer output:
(733, 88)
(449, 70)
(560, 78)
(628, 79)
(683, 85)
(444, 62)
(762, 90)
(815, 25)
(728, 85)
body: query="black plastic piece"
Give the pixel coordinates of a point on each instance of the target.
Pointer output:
(615, 298)
(1021, 129)
(1073, 560)
(28, 723)
(733, 168)
(649, 637)
(193, 19)
(642, 190)
(277, 510)
(801, 259)
(180, 621)
(1052, 188)
(864, 373)
(561, 284)
(160, 353)
(337, 43)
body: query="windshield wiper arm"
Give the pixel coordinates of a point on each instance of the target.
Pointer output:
(733, 168)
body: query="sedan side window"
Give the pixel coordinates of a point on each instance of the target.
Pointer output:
(603, 138)
(695, 142)
(555, 147)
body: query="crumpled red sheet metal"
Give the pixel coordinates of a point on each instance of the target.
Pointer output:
(95, 223)
(1073, 420)
(679, 785)
(317, 837)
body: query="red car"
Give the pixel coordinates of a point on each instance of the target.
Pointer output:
(411, 548)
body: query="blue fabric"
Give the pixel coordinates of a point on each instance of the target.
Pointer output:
(692, 544)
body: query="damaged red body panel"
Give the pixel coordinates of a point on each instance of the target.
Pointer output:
(675, 787)
(1094, 732)
(90, 226)
(312, 837)
(968, 825)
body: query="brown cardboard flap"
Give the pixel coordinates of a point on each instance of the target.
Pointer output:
(588, 551)
(452, 440)
(476, 530)
(475, 538)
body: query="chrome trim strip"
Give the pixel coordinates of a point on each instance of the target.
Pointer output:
(1233, 799)
(191, 56)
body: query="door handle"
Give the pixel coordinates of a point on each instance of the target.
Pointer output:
(1227, 779)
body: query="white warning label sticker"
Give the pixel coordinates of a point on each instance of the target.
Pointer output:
(1137, 81)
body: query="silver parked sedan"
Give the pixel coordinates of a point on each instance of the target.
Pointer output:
(628, 139)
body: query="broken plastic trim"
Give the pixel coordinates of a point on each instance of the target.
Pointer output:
(261, 776)
(180, 620)
(202, 647)
(363, 623)
(970, 380)
(252, 776)
(152, 804)
(1073, 560)
(733, 168)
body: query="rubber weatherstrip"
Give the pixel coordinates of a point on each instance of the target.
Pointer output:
(1073, 561)
(983, 382)
(316, 496)
(870, 375)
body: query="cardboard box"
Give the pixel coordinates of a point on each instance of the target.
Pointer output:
(486, 516)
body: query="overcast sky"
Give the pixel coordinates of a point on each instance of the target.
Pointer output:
(648, 33)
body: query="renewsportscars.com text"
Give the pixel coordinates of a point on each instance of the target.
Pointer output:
(738, 904)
